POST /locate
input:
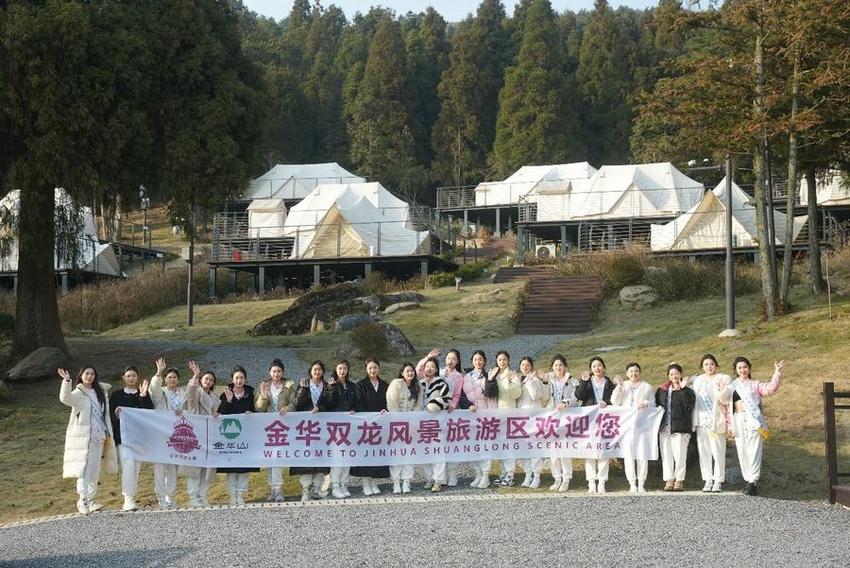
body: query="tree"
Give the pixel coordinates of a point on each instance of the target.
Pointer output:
(536, 122)
(464, 133)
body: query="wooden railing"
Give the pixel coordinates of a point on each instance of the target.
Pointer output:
(837, 493)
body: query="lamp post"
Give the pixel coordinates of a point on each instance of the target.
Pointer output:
(146, 203)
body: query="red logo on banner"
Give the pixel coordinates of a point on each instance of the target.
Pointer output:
(183, 439)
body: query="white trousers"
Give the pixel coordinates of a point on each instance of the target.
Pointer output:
(451, 469)
(129, 473)
(596, 470)
(401, 472)
(712, 455)
(534, 465)
(165, 481)
(87, 482)
(508, 467)
(311, 479)
(749, 444)
(562, 468)
(339, 475)
(237, 483)
(198, 487)
(674, 455)
(275, 477)
(484, 466)
(636, 471)
(435, 472)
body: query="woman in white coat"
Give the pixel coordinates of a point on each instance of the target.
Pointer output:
(504, 385)
(562, 387)
(634, 393)
(535, 394)
(200, 399)
(713, 398)
(89, 445)
(166, 398)
(403, 395)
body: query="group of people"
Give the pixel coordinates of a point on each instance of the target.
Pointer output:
(712, 405)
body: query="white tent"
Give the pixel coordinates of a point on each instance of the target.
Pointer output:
(553, 179)
(635, 191)
(352, 220)
(93, 255)
(832, 190)
(703, 227)
(266, 218)
(295, 181)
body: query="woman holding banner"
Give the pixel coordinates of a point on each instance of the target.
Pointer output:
(403, 395)
(167, 398)
(713, 397)
(453, 376)
(436, 397)
(277, 394)
(535, 394)
(313, 395)
(131, 396)
(634, 393)
(748, 423)
(237, 398)
(475, 384)
(343, 396)
(562, 389)
(595, 389)
(507, 392)
(89, 446)
(371, 397)
(200, 399)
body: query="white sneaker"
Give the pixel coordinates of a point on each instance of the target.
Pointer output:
(83, 506)
(601, 488)
(231, 502)
(485, 482)
(477, 481)
(452, 482)
(337, 492)
(240, 498)
(195, 503)
(707, 487)
(375, 489)
(535, 481)
(367, 488)
(271, 497)
(405, 486)
(279, 498)
(436, 487)
(641, 488)
(396, 487)
(346, 491)
(95, 506)
(565, 486)
(717, 487)
(526, 482)
(591, 487)
(555, 486)
(129, 504)
(429, 484)
(305, 495)
(633, 488)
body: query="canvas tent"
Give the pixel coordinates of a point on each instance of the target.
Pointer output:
(94, 256)
(266, 218)
(833, 190)
(703, 227)
(294, 181)
(635, 191)
(552, 179)
(352, 220)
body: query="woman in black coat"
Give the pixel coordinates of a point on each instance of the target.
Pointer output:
(313, 395)
(678, 401)
(595, 388)
(237, 398)
(343, 397)
(371, 397)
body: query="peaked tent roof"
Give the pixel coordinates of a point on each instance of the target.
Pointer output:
(704, 225)
(295, 181)
(832, 190)
(635, 190)
(551, 178)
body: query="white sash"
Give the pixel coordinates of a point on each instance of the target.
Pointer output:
(707, 400)
(753, 407)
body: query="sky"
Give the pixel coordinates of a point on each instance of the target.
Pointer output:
(451, 10)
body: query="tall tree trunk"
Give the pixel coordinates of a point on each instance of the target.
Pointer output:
(791, 188)
(815, 273)
(37, 311)
(768, 274)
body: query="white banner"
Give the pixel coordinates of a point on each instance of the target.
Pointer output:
(341, 439)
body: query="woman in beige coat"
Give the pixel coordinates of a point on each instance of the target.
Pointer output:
(89, 445)
(200, 399)
(403, 395)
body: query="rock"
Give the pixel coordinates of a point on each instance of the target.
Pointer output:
(349, 322)
(608, 348)
(325, 304)
(397, 297)
(730, 333)
(489, 297)
(42, 362)
(638, 297)
(375, 339)
(401, 306)
(373, 302)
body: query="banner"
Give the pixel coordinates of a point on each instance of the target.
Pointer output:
(393, 438)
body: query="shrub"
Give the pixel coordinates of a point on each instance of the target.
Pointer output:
(7, 328)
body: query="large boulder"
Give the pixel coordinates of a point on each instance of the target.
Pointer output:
(325, 304)
(42, 362)
(397, 297)
(375, 340)
(349, 322)
(400, 306)
(638, 297)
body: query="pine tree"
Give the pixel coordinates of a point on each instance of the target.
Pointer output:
(537, 120)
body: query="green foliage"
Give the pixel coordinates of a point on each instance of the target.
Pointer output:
(625, 270)
(469, 272)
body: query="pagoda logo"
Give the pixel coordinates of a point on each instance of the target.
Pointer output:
(183, 439)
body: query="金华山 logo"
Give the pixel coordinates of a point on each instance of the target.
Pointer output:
(183, 439)
(230, 428)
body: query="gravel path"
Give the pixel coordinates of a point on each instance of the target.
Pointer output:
(687, 529)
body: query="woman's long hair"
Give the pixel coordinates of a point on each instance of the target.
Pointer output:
(98, 390)
(413, 387)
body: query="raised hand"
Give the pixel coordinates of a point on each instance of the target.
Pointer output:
(561, 406)
(160, 366)
(228, 394)
(64, 374)
(193, 382)
(196, 370)
(435, 352)
(585, 375)
(264, 389)
(493, 372)
(143, 389)
(685, 381)
(779, 365)
(618, 380)
(303, 382)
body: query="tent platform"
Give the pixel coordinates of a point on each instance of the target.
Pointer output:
(306, 272)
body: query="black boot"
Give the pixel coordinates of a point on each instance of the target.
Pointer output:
(754, 490)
